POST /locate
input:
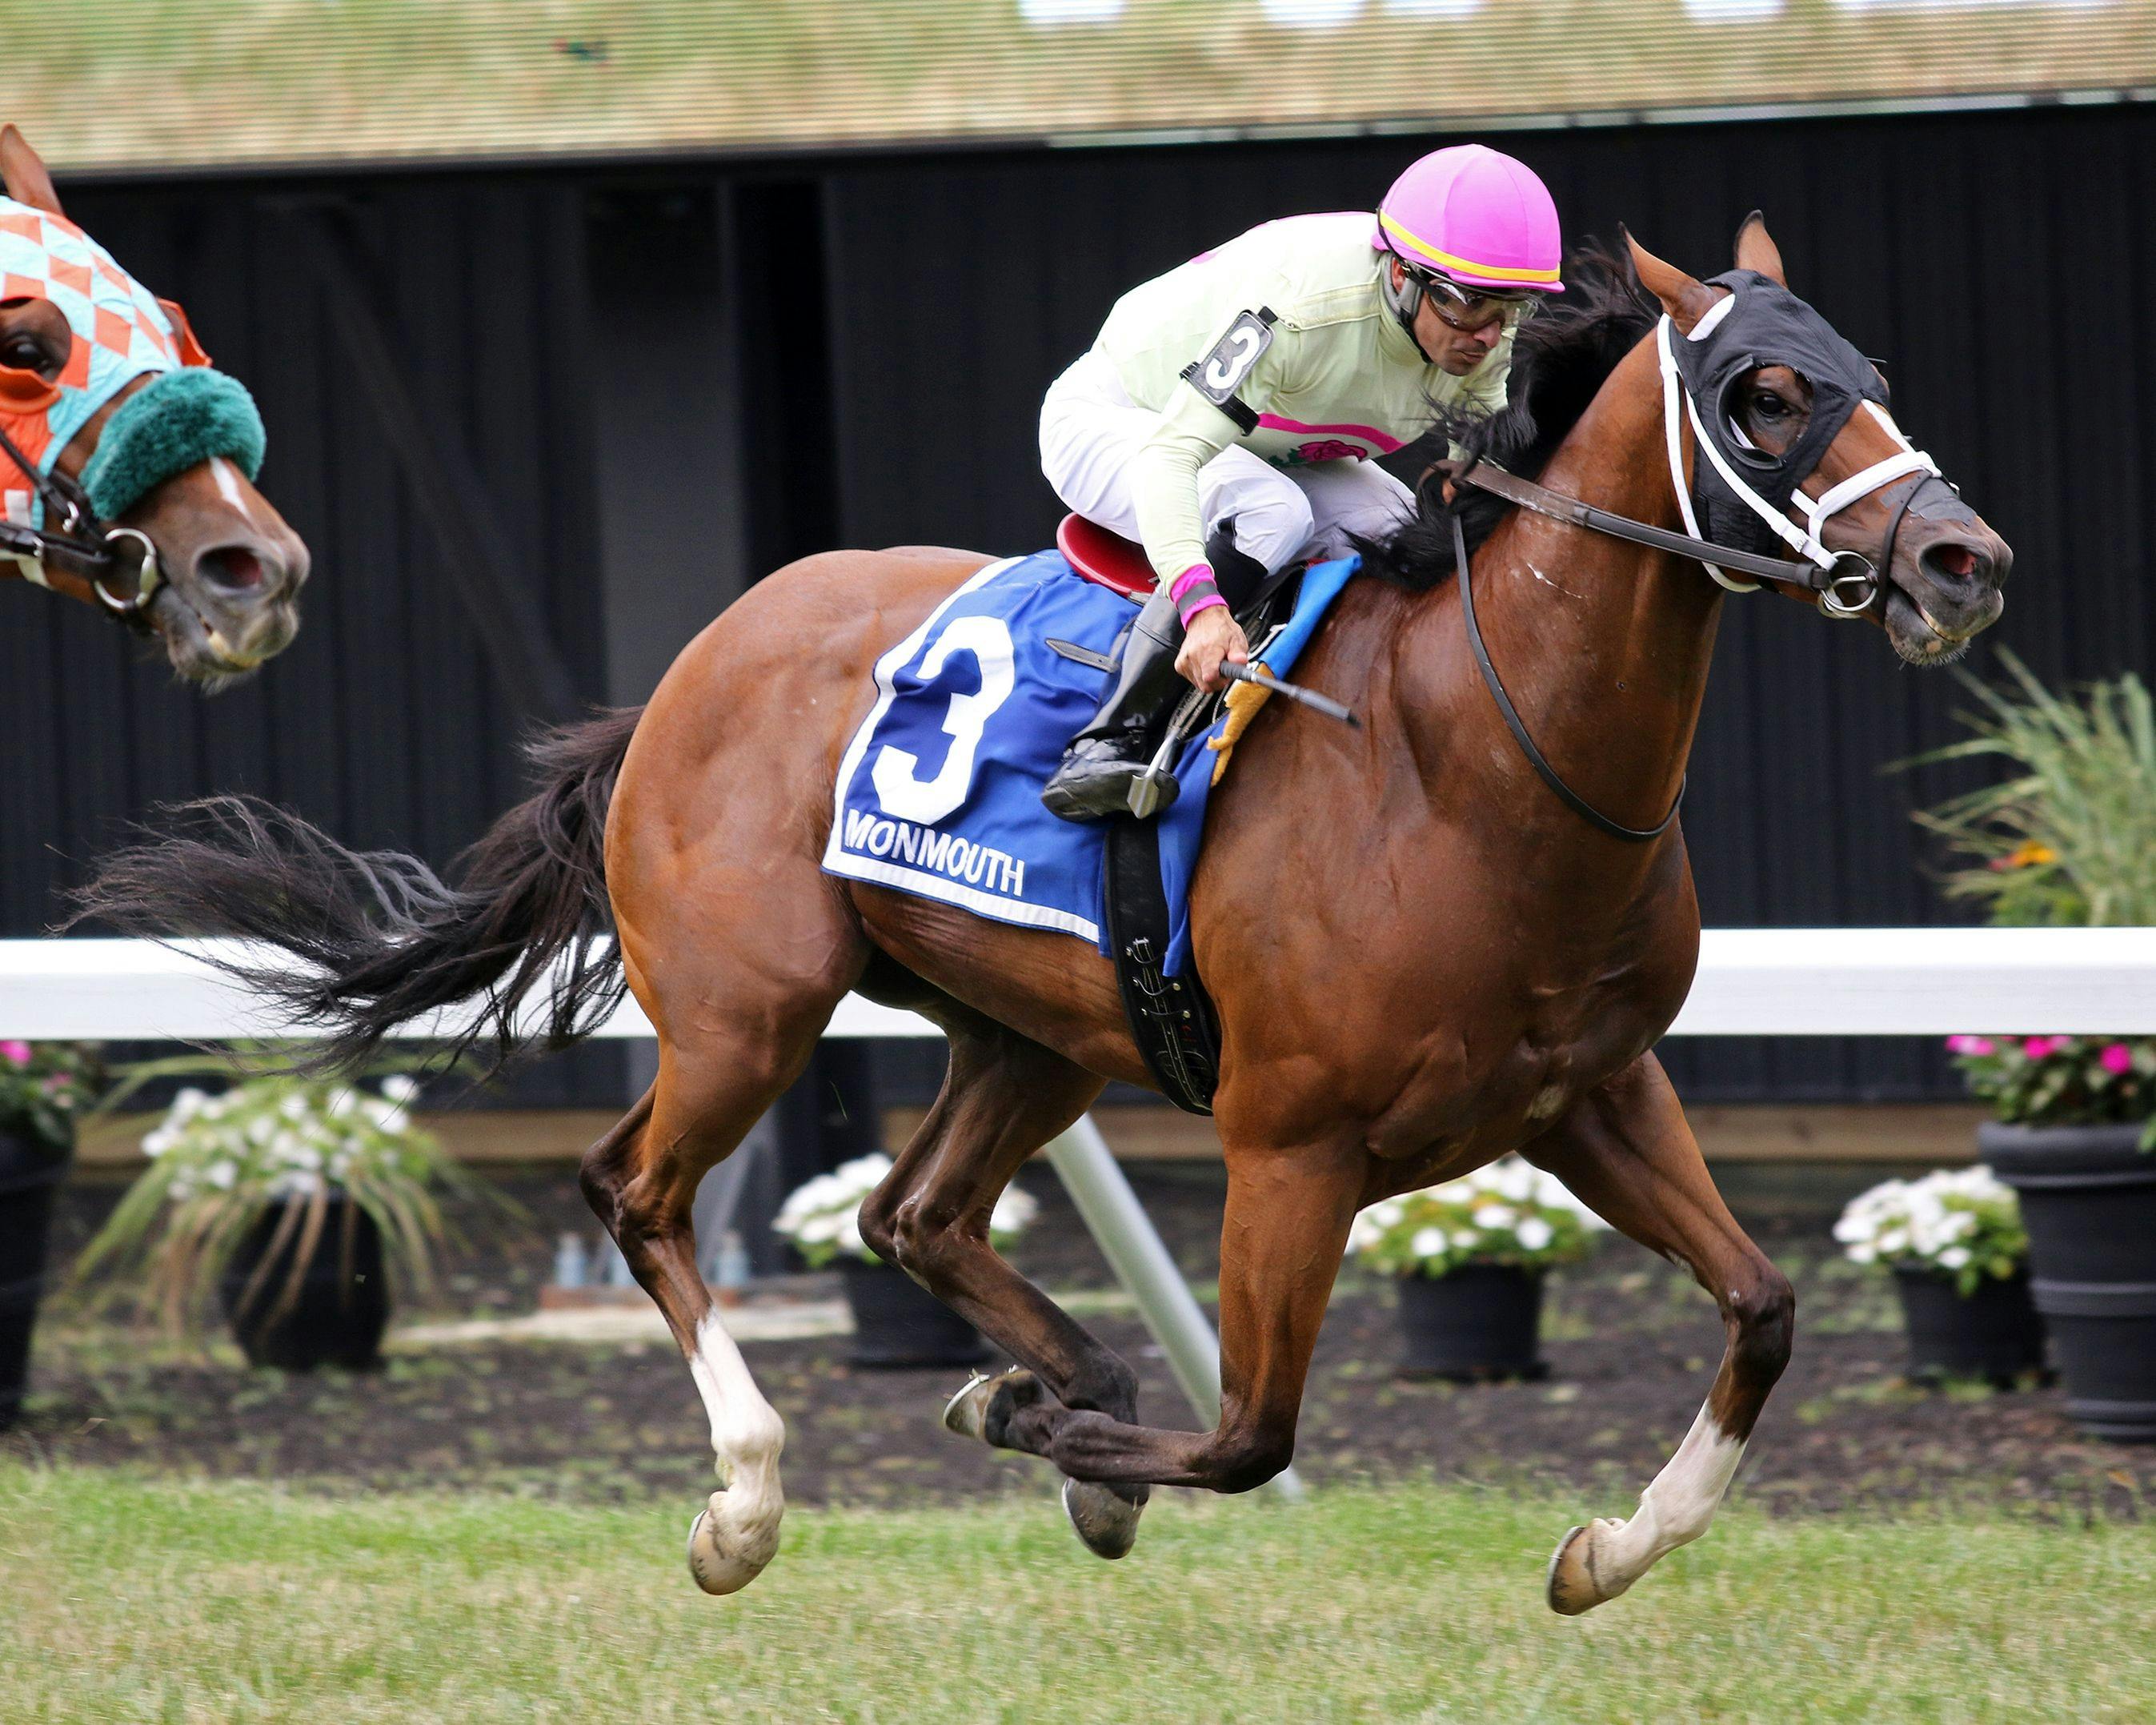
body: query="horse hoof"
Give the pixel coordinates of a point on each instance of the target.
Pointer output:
(983, 1408)
(1574, 1586)
(1107, 1523)
(723, 1559)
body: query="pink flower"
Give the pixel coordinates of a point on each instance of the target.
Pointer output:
(2038, 1047)
(17, 1053)
(1971, 1045)
(2116, 1059)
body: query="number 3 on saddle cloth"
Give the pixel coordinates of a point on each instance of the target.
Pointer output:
(939, 792)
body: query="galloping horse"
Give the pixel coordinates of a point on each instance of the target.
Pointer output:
(1422, 958)
(189, 550)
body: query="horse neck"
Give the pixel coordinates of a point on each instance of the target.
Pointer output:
(1603, 645)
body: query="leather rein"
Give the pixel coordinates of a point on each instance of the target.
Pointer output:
(1847, 583)
(87, 549)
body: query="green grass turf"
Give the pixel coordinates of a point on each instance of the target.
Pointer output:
(127, 1597)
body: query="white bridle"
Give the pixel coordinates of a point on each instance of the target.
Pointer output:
(1807, 541)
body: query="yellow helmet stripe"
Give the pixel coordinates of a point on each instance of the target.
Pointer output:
(1446, 261)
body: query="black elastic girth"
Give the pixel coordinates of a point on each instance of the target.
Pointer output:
(1572, 800)
(1170, 1018)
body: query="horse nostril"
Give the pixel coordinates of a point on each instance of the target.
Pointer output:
(233, 567)
(1949, 560)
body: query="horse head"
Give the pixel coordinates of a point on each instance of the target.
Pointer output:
(128, 477)
(1795, 449)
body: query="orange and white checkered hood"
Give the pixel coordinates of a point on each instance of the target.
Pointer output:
(121, 332)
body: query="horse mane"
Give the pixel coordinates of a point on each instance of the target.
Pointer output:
(1560, 360)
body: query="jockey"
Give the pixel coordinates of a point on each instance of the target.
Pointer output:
(1228, 416)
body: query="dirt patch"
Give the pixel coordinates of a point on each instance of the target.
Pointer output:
(1630, 1342)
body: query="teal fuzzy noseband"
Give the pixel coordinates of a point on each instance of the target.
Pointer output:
(178, 420)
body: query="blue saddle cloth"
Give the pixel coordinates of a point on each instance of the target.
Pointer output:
(939, 792)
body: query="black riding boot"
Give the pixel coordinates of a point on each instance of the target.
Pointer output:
(1109, 756)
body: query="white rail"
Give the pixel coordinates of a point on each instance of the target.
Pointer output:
(1751, 982)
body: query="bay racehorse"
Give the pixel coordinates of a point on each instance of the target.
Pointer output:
(189, 550)
(1422, 957)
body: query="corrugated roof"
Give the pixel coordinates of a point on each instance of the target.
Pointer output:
(164, 84)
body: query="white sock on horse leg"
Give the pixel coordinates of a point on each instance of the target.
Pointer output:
(747, 1433)
(1677, 1506)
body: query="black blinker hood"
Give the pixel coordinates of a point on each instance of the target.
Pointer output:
(1766, 325)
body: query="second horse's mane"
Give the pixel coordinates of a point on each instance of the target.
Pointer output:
(1560, 359)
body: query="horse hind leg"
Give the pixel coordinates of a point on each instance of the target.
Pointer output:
(1285, 1225)
(1003, 1097)
(1627, 1152)
(641, 1180)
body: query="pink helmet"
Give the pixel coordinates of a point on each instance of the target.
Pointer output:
(1476, 215)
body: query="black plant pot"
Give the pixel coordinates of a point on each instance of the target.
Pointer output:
(1993, 1334)
(343, 1303)
(1480, 1322)
(2088, 1200)
(897, 1323)
(30, 1172)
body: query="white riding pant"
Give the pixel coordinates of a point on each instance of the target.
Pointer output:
(1090, 432)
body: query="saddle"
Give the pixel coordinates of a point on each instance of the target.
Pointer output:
(1171, 1018)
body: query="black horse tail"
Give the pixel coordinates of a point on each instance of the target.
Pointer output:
(380, 938)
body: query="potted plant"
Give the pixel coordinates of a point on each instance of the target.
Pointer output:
(298, 1201)
(43, 1087)
(1469, 1257)
(896, 1322)
(1954, 1242)
(2068, 839)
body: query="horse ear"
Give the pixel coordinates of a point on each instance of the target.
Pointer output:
(1756, 249)
(24, 173)
(1685, 299)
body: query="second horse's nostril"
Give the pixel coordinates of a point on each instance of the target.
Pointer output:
(233, 567)
(1956, 562)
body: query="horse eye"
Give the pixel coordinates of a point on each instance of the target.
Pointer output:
(1769, 406)
(26, 353)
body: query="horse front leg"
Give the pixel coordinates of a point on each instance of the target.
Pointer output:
(1286, 1221)
(1627, 1152)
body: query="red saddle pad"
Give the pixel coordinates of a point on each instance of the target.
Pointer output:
(1104, 556)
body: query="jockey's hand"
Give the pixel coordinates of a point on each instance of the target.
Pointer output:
(1214, 637)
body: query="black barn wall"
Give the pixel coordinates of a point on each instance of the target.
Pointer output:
(867, 370)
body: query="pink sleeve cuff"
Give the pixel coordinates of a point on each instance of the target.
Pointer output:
(1194, 591)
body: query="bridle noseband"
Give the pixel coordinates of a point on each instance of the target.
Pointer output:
(1847, 583)
(92, 551)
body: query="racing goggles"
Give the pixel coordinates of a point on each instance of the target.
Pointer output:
(1466, 307)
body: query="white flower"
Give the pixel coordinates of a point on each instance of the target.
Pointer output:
(399, 1088)
(186, 1105)
(222, 1174)
(1428, 1243)
(157, 1142)
(1014, 1213)
(1495, 1217)
(294, 1107)
(1954, 1257)
(1535, 1234)
(1466, 1239)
